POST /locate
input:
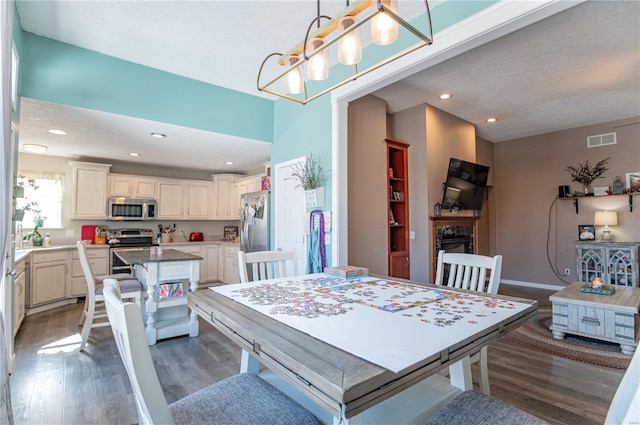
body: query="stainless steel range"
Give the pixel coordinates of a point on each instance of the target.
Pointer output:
(127, 239)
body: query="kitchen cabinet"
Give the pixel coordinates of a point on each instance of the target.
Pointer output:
(19, 290)
(49, 276)
(99, 262)
(240, 187)
(198, 200)
(184, 200)
(231, 272)
(170, 200)
(121, 185)
(210, 255)
(222, 184)
(89, 190)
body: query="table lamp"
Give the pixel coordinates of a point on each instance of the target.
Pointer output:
(606, 219)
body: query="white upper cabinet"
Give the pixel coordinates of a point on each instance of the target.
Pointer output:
(222, 196)
(198, 200)
(184, 200)
(89, 190)
(170, 200)
(121, 185)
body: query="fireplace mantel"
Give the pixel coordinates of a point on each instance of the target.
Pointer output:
(467, 225)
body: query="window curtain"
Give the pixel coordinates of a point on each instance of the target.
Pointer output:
(6, 157)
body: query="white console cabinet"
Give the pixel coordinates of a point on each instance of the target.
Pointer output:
(615, 262)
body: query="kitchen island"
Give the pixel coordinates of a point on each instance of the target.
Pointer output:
(167, 278)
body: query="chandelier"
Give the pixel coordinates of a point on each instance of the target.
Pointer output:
(381, 16)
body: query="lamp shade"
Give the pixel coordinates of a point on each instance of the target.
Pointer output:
(606, 218)
(384, 29)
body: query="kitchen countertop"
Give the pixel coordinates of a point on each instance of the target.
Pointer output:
(21, 253)
(143, 256)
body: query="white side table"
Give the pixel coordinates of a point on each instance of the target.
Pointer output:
(611, 318)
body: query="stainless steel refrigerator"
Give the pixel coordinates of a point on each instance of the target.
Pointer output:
(254, 221)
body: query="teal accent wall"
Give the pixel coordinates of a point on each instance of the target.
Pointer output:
(299, 130)
(65, 74)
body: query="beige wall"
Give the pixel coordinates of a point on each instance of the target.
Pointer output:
(528, 173)
(486, 243)
(435, 136)
(409, 126)
(367, 185)
(41, 163)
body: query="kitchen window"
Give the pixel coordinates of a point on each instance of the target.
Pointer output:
(43, 192)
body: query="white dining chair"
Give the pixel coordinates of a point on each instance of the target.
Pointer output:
(243, 399)
(267, 265)
(475, 273)
(94, 316)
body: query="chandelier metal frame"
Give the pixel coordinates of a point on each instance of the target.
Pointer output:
(357, 8)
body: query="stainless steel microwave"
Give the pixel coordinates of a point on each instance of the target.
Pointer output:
(132, 209)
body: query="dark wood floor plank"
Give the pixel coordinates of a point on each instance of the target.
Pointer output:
(94, 389)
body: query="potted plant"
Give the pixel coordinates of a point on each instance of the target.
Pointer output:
(35, 236)
(39, 220)
(18, 212)
(310, 176)
(585, 173)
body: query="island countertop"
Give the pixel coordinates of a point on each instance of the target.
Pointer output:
(143, 256)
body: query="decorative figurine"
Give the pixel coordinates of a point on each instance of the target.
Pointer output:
(617, 187)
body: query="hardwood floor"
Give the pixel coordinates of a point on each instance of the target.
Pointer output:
(54, 383)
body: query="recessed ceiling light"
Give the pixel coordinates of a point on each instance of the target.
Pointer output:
(445, 96)
(158, 135)
(492, 119)
(134, 154)
(229, 162)
(35, 148)
(58, 132)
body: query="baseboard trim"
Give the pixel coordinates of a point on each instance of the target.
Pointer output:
(532, 284)
(46, 307)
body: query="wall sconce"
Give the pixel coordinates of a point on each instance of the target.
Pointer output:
(606, 219)
(343, 29)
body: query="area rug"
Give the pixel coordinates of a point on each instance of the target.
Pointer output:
(536, 334)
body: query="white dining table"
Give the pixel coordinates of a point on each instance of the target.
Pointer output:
(350, 344)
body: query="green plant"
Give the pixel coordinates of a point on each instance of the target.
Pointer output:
(35, 233)
(309, 173)
(19, 211)
(585, 173)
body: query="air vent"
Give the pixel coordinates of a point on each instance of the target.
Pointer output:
(601, 140)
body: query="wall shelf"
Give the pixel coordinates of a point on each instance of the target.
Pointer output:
(576, 199)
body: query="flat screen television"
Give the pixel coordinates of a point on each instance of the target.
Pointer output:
(465, 185)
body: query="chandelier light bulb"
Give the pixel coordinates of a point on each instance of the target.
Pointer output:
(318, 64)
(384, 30)
(293, 81)
(349, 46)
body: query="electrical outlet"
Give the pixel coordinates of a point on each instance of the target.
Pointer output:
(412, 235)
(70, 233)
(567, 272)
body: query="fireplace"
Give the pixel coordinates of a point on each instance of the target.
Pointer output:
(452, 234)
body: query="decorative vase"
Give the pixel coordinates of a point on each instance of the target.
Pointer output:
(314, 198)
(36, 241)
(38, 223)
(586, 189)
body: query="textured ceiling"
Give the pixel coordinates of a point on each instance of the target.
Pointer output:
(579, 67)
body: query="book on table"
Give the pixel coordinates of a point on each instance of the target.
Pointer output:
(347, 271)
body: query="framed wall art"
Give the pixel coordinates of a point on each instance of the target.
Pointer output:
(633, 182)
(586, 232)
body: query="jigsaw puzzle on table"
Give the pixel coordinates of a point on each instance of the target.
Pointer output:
(372, 316)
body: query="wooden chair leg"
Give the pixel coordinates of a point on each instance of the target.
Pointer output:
(483, 372)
